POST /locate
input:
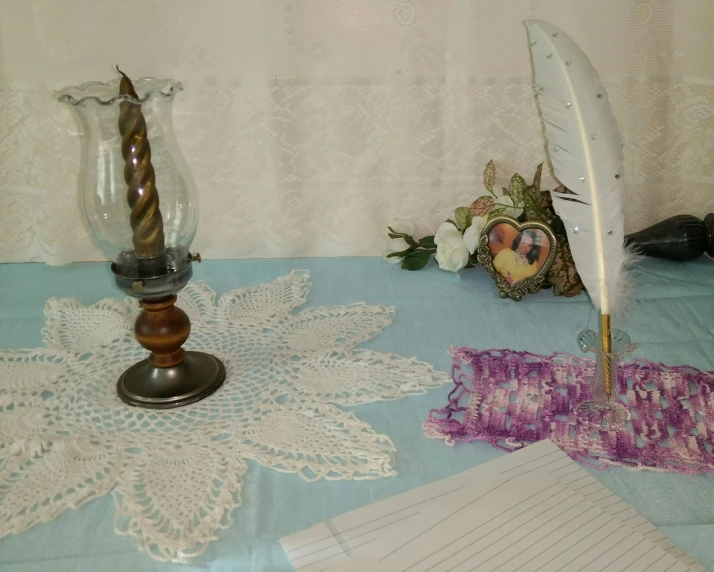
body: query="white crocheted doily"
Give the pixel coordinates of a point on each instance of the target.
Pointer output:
(176, 475)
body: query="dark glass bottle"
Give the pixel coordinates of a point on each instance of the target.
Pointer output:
(681, 238)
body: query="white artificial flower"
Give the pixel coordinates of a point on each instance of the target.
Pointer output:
(472, 235)
(452, 253)
(391, 245)
(511, 210)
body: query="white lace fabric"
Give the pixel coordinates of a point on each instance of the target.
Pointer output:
(176, 475)
(310, 124)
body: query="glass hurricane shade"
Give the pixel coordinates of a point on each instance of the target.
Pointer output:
(106, 191)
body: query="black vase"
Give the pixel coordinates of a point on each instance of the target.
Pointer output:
(681, 238)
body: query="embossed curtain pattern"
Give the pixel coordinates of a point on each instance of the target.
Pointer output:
(309, 125)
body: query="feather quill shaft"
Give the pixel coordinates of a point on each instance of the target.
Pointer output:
(585, 147)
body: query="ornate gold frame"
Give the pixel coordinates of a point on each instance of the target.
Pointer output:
(527, 285)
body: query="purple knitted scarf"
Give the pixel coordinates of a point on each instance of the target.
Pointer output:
(511, 399)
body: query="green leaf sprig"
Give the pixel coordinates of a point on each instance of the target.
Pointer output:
(419, 252)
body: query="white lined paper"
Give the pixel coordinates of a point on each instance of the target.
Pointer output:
(403, 523)
(358, 534)
(531, 523)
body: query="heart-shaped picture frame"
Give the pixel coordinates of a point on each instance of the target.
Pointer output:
(518, 255)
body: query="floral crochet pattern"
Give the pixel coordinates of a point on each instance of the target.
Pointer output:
(176, 475)
(511, 398)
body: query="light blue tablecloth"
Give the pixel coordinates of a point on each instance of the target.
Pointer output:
(673, 321)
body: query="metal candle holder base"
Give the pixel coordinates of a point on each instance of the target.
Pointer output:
(170, 376)
(196, 377)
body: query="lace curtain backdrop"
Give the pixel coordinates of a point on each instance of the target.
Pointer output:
(309, 124)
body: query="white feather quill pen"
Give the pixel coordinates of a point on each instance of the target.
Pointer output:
(585, 147)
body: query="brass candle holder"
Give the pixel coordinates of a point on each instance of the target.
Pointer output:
(131, 152)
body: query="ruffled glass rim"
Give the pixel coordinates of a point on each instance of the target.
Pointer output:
(107, 93)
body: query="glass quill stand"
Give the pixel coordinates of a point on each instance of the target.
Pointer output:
(603, 411)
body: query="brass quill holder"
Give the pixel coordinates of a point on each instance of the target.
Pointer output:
(146, 239)
(611, 347)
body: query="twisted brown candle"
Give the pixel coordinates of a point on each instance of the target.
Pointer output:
(142, 196)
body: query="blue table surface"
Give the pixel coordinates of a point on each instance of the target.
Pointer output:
(673, 321)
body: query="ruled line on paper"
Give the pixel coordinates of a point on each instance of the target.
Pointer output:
(490, 530)
(346, 530)
(564, 550)
(615, 501)
(313, 551)
(336, 535)
(328, 557)
(597, 556)
(534, 460)
(473, 555)
(559, 528)
(488, 519)
(346, 550)
(509, 544)
(316, 556)
(572, 531)
(450, 515)
(645, 558)
(564, 540)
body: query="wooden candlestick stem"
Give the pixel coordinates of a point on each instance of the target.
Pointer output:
(162, 328)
